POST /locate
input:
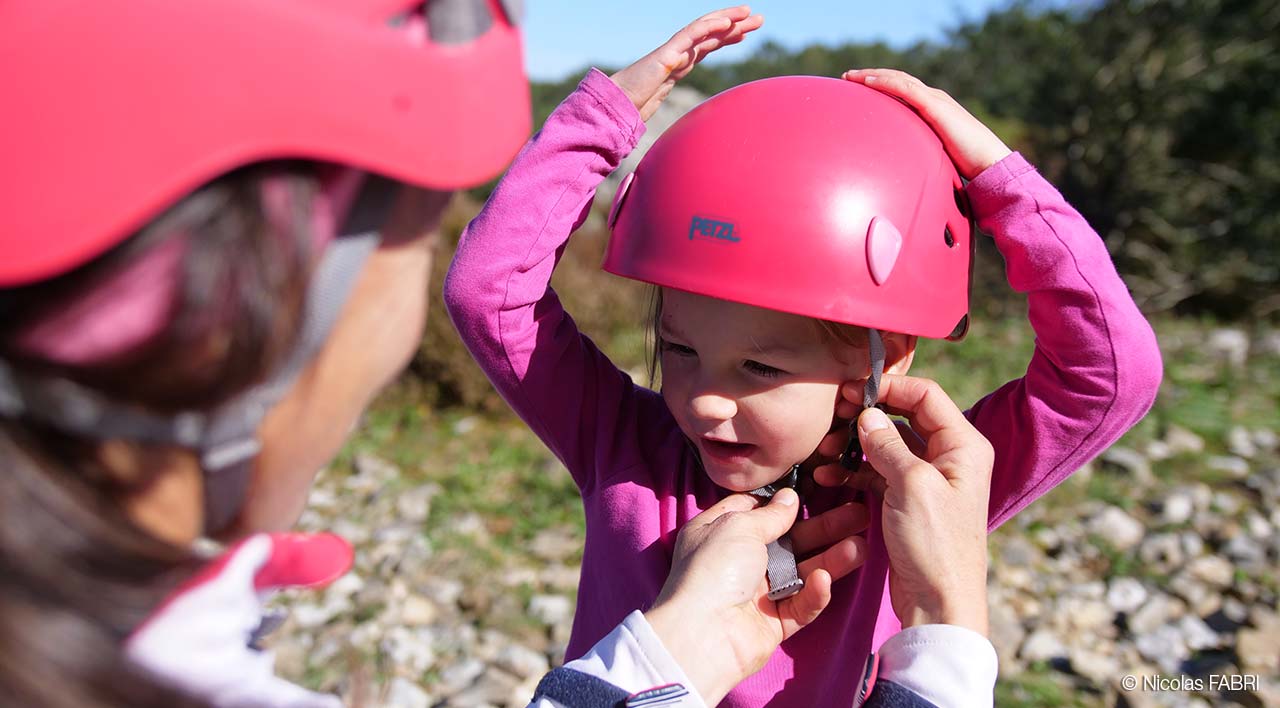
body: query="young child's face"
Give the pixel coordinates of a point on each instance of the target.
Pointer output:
(754, 389)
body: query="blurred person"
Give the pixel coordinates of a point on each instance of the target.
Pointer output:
(802, 232)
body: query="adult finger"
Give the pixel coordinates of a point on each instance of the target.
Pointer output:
(769, 522)
(932, 415)
(734, 503)
(804, 607)
(885, 449)
(829, 527)
(837, 561)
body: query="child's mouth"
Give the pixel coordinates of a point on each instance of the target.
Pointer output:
(727, 451)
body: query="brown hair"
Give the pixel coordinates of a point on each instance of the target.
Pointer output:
(77, 576)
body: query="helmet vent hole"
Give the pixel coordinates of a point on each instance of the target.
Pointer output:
(961, 203)
(948, 237)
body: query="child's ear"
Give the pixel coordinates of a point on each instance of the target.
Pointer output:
(899, 352)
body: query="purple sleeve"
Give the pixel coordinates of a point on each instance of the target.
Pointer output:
(498, 295)
(1096, 367)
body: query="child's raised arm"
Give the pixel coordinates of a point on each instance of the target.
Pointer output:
(497, 290)
(1096, 367)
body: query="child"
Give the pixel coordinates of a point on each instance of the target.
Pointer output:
(750, 389)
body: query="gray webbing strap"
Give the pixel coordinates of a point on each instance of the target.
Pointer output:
(231, 441)
(852, 456)
(871, 392)
(784, 577)
(226, 438)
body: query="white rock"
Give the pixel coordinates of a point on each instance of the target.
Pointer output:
(403, 693)
(457, 677)
(1240, 442)
(1214, 570)
(418, 610)
(522, 661)
(551, 609)
(1093, 665)
(1226, 503)
(1117, 528)
(1266, 439)
(1243, 549)
(1126, 595)
(1197, 634)
(1042, 645)
(414, 505)
(1182, 441)
(374, 468)
(1158, 610)
(465, 425)
(1177, 508)
(1259, 527)
(1158, 451)
(1232, 345)
(1192, 544)
(1129, 460)
(1161, 552)
(443, 591)
(1228, 464)
(410, 650)
(1165, 647)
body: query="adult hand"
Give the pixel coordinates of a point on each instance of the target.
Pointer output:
(648, 81)
(714, 615)
(933, 478)
(970, 144)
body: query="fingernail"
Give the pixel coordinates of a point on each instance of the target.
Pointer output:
(786, 497)
(873, 419)
(869, 79)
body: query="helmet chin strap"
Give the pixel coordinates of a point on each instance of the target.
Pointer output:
(784, 576)
(851, 458)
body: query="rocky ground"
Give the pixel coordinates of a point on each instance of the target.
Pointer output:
(1157, 560)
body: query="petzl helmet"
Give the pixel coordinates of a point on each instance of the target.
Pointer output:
(809, 195)
(114, 111)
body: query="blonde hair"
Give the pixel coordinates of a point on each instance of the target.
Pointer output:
(836, 335)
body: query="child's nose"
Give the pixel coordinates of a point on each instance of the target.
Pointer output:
(712, 406)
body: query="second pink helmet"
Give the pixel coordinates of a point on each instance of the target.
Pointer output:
(808, 195)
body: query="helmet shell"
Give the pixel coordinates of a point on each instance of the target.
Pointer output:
(809, 195)
(114, 111)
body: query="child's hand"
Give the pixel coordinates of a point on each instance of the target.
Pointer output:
(970, 144)
(648, 81)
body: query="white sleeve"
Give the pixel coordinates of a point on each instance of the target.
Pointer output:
(633, 659)
(943, 664)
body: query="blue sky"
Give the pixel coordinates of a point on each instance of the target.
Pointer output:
(563, 36)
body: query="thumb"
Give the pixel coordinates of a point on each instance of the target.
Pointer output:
(770, 522)
(884, 447)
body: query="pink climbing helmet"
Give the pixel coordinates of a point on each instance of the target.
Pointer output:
(808, 195)
(114, 111)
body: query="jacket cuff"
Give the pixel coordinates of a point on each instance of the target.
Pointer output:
(944, 664)
(993, 181)
(616, 103)
(633, 658)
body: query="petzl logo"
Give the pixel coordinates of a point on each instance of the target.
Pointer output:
(712, 229)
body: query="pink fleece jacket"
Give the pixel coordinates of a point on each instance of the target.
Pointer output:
(1094, 374)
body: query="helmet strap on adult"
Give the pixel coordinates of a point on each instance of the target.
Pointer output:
(225, 439)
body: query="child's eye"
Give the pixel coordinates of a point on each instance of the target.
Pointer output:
(677, 349)
(759, 369)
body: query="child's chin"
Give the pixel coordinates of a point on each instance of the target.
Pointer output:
(741, 480)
